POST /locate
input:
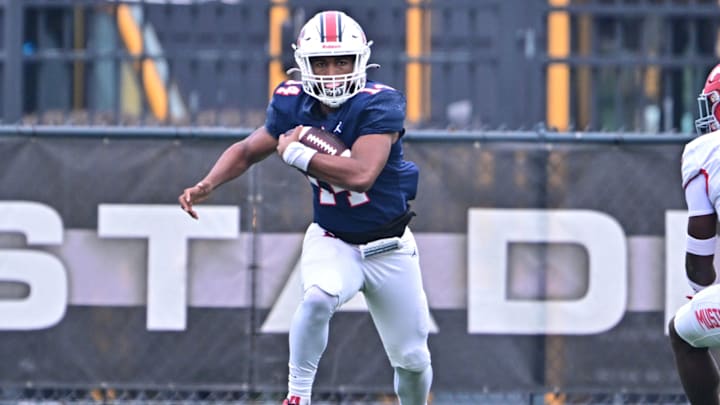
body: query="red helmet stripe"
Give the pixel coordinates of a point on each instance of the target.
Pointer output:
(330, 27)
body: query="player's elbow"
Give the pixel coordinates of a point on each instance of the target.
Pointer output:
(700, 269)
(361, 183)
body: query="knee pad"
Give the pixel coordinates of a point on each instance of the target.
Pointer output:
(318, 303)
(415, 360)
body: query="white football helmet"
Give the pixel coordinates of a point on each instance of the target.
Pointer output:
(709, 103)
(332, 33)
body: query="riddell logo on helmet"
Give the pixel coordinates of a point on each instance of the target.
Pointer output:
(331, 45)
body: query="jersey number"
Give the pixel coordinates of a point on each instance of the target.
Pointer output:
(328, 197)
(288, 91)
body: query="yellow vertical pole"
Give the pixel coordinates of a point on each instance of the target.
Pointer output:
(558, 75)
(130, 31)
(278, 14)
(413, 70)
(558, 116)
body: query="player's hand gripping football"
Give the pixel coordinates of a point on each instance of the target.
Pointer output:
(284, 140)
(193, 195)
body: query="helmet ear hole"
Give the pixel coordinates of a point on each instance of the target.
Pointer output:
(713, 104)
(715, 124)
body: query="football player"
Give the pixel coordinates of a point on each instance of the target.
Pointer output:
(359, 240)
(696, 326)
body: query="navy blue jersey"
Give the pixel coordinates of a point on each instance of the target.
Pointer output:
(377, 109)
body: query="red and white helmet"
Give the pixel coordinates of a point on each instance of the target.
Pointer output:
(332, 33)
(708, 103)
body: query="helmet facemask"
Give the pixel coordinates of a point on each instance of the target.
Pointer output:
(333, 90)
(708, 104)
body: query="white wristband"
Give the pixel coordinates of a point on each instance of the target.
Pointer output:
(701, 247)
(298, 155)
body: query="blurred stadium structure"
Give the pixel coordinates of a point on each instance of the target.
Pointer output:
(120, 104)
(628, 65)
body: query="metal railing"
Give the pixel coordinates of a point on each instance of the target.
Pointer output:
(414, 135)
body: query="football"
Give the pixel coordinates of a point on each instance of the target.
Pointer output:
(323, 141)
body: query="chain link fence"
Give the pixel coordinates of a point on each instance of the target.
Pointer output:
(232, 347)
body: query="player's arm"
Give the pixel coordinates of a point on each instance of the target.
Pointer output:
(701, 235)
(701, 240)
(355, 173)
(233, 162)
(359, 171)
